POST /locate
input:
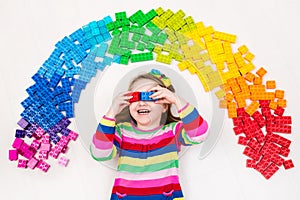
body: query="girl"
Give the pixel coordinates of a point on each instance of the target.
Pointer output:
(149, 143)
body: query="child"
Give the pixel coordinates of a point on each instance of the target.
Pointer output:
(148, 145)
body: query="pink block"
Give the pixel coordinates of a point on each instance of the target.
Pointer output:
(39, 132)
(32, 163)
(43, 166)
(43, 155)
(45, 147)
(72, 135)
(13, 155)
(17, 143)
(63, 161)
(22, 163)
(35, 144)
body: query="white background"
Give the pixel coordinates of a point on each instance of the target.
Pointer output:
(29, 30)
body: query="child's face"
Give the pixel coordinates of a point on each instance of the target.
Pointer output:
(146, 113)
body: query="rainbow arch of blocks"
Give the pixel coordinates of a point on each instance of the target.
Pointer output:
(167, 37)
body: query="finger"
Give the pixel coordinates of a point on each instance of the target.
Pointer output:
(162, 101)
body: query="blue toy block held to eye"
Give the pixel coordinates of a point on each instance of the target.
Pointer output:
(144, 96)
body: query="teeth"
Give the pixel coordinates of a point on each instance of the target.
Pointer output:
(143, 111)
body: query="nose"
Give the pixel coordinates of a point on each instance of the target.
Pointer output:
(142, 103)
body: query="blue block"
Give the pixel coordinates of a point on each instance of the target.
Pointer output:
(54, 80)
(20, 133)
(41, 71)
(100, 66)
(107, 37)
(107, 60)
(101, 23)
(107, 19)
(66, 85)
(144, 96)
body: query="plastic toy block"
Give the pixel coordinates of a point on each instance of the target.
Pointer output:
(222, 104)
(20, 133)
(237, 121)
(270, 171)
(43, 166)
(220, 93)
(281, 102)
(32, 163)
(264, 103)
(72, 135)
(63, 161)
(140, 46)
(232, 113)
(22, 163)
(279, 94)
(17, 143)
(288, 164)
(251, 153)
(271, 84)
(261, 72)
(224, 37)
(45, 147)
(259, 119)
(283, 120)
(35, 144)
(144, 96)
(250, 163)
(257, 81)
(273, 105)
(254, 145)
(284, 151)
(164, 59)
(141, 57)
(249, 77)
(13, 154)
(43, 155)
(279, 111)
(249, 56)
(243, 140)
(243, 49)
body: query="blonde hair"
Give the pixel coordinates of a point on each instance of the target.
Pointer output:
(167, 117)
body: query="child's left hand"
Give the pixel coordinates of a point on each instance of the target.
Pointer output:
(164, 95)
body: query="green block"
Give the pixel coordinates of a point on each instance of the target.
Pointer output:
(150, 46)
(154, 38)
(153, 28)
(136, 37)
(116, 32)
(162, 38)
(118, 24)
(125, 28)
(125, 22)
(145, 38)
(130, 45)
(110, 26)
(141, 57)
(124, 60)
(151, 14)
(140, 46)
(120, 16)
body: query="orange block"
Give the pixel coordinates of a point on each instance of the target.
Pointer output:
(271, 84)
(273, 105)
(222, 104)
(231, 108)
(257, 80)
(252, 107)
(229, 97)
(279, 94)
(261, 72)
(241, 103)
(282, 103)
(249, 77)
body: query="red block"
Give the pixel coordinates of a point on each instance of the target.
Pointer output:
(238, 130)
(259, 135)
(251, 153)
(243, 140)
(284, 151)
(250, 163)
(254, 145)
(288, 164)
(264, 103)
(283, 120)
(270, 171)
(135, 97)
(237, 121)
(279, 111)
(258, 117)
(241, 112)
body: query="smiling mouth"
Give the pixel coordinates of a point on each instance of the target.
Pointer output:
(143, 111)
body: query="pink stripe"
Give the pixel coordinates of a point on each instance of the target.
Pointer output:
(149, 141)
(198, 131)
(184, 107)
(148, 175)
(108, 118)
(99, 144)
(146, 183)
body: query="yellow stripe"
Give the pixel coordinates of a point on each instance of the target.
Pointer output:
(180, 198)
(107, 122)
(149, 161)
(186, 111)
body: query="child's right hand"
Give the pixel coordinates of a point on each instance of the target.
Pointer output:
(118, 103)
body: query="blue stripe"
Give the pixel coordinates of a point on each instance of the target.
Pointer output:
(181, 140)
(176, 194)
(106, 129)
(190, 117)
(144, 155)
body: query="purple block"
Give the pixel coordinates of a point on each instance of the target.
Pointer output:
(17, 143)
(20, 133)
(23, 123)
(65, 132)
(13, 154)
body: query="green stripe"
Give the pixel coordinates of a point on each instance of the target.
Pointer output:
(148, 168)
(104, 158)
(187, 139)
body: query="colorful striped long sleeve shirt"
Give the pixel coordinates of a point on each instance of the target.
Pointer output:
(148, 160)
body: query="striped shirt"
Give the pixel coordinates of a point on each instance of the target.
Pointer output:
(148, 160)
